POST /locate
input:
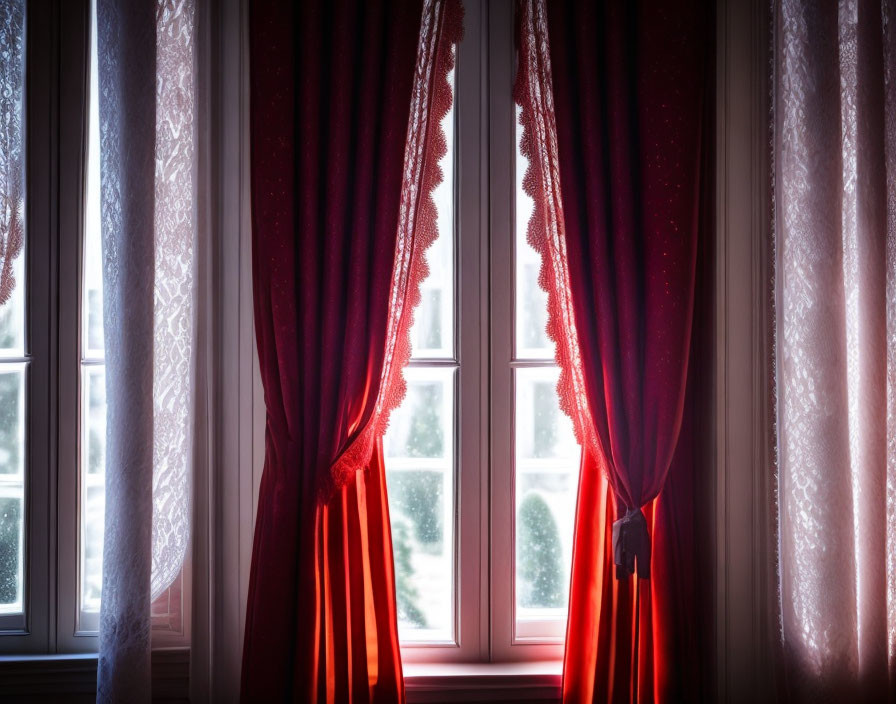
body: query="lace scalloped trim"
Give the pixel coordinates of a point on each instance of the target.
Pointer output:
(441, 28)
(534, 94)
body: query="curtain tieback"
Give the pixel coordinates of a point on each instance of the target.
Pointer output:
(631, 540)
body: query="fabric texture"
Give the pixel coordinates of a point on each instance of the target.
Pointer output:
(12, 154)
(614, 107)
(835, 220)
(145, 65)
(346, 104)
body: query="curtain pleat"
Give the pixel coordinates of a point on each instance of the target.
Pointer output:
(126, 41)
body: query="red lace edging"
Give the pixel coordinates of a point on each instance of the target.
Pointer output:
(418, 227)
(534, 94)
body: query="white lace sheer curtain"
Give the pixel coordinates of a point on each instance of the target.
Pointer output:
(146, 93)
(835, 194)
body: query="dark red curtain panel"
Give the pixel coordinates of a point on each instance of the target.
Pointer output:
(614, 99)
(650, 641)
(629, 88)
(628, 94)
(331, 91)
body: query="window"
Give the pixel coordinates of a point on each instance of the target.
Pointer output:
(482, 465)
(545, 453)
(91, 414)
(92, 406)
(14, 358)
(420, 444)
(52, 385)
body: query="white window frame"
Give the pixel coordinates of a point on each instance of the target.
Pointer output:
(485, 629)
(483, 662)
(52, 60)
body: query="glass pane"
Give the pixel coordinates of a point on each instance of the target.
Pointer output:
(11, 499)
(94, 419)
(531, 302)
(12, 179)
(93, 457)
(543, 431)
(547, 467)
(12, 420)
(546, 504)
(432, 335)
(420, 475)
(92, 284)
(93, 511)
(12, 315)
(422, 425)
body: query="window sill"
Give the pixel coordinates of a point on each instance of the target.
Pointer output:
(430, 683)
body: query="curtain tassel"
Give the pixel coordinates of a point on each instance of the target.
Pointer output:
(631, 540)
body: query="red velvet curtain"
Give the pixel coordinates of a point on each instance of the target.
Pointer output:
(614, 108)
(331, 93)
(650, 640)
(629, 83)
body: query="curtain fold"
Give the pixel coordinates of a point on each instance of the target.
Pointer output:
(145, 78)
(346, 100)
(126, 54)
(614, 112)
(835, 222)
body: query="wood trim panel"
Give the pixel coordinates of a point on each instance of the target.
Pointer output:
(742, 367)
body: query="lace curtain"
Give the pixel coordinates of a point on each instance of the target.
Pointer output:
(145, 57)
(12, 166)
(835, 192)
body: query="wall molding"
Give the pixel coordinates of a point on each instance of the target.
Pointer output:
(226, 488)
(743, 397)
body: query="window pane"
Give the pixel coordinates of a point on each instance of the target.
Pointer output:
(92, 283)
(12, 420)
(10, 548)
(12, 315)
(432, 335)
(12, 305)
(93, 455)
(419, 450)
(421, 427)
(531, 302)
(94, 419)
(544, 433)
(12, 178)
(547, 467)
(92, 507)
